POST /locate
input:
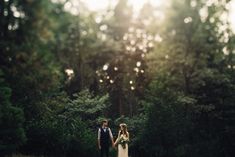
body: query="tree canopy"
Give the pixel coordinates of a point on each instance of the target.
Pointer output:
(167, 71)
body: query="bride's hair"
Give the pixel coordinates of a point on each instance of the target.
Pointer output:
(125, 131)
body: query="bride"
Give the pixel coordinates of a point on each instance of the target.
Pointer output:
(122, 141)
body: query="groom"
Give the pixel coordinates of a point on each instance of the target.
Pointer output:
(104, 137)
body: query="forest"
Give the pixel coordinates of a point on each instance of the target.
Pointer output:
(168, 72)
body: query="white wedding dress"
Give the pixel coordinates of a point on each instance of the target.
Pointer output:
(121, 151)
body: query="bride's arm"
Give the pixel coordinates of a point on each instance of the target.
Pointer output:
(128, 136)
(116, 141)
(117, 138)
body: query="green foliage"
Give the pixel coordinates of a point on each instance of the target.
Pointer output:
(191, 92)
(61, 136)
(11, 121)
(169, 123)
(88, 104)
(170, 79)
(64, 128)
(89, 107)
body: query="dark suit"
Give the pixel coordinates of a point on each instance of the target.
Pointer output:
(105, 137)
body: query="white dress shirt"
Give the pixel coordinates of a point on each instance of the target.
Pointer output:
(105, 129)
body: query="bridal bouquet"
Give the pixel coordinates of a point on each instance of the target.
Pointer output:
(123, 141)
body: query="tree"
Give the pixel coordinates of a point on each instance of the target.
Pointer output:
(11, 121)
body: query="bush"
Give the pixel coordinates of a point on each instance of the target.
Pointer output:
(12, 134)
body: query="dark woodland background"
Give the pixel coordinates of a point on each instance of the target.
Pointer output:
(171, 80)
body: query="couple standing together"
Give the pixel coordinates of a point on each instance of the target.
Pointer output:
(105, 136)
